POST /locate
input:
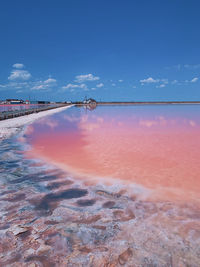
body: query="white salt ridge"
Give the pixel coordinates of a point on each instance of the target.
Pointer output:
(12, 126)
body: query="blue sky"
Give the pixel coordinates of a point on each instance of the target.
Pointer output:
(140, 50)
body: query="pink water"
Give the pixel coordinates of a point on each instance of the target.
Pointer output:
(156, 147)
(109, 187)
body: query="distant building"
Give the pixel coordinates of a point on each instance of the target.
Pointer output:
(90, 103)
(14, 101)
(43, 102)
(39, 102)
(27, 102)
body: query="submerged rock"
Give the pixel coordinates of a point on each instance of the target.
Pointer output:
(18, 229)
(125, 256)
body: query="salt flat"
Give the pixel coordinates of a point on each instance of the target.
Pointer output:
(12, 126)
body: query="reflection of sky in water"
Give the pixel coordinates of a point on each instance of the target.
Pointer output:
(155, 146)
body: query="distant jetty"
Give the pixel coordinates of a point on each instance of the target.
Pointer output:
(15, 124)
(27, 111)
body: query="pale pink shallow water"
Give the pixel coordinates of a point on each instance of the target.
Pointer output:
(155, 147)
(127, 194)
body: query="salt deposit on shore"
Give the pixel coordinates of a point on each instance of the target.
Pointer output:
(12, 126)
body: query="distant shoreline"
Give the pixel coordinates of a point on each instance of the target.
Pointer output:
(149, 103)
(140, 103)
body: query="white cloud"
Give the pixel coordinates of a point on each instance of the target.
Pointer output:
(13, 85)
(161, 85)
(187, 66)
(20, 79)
(39, 87)
(174, 81)
(70, 85)
(165, 81)
(149, 80)
(50, 81)
(73, 86)
(86, 77)
(120, 81)
(18, 66)
(134, 86)
(44, 85)
(99, 85)
(194, 80)
(176, 67)
(113, 84)
(19, 75)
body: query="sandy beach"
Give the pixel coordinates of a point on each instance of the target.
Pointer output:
(12, 126)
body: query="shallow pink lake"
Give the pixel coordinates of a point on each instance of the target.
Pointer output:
(155, 147)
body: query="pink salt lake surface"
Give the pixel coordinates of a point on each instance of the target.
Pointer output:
(116, 186)
(156, 147)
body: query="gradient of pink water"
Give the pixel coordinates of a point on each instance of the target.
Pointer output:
(159, 152)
